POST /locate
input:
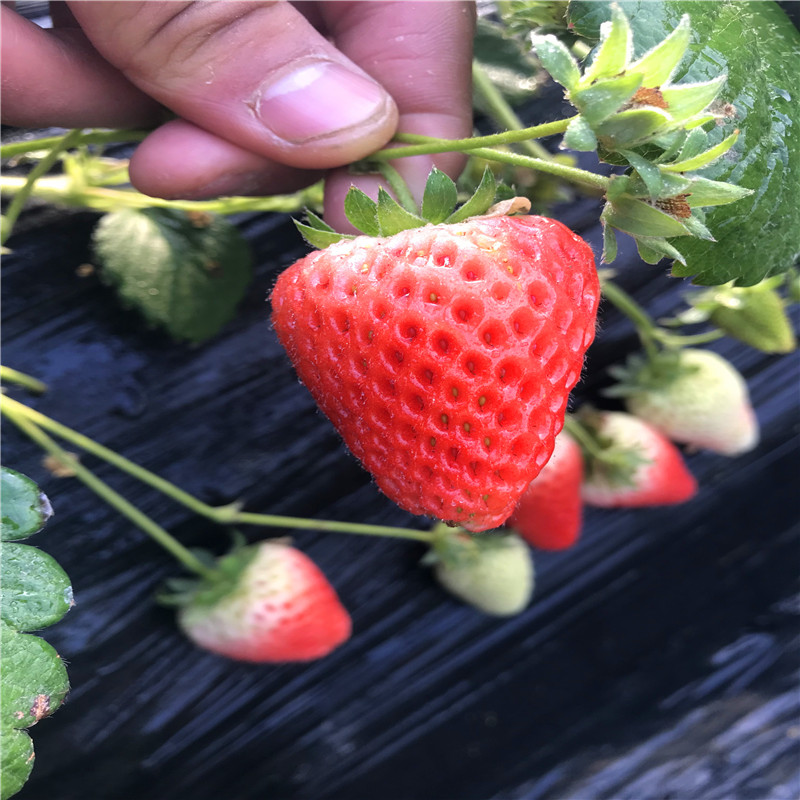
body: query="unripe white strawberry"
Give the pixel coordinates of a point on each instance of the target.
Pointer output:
(493, 572)
(700, 400)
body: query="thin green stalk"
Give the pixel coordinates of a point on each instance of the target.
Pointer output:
(399, 187)
(13, 149)
(571, 174)
(20, 198)
(502, 113)
(224, 515)
(669, 339)
(424, 145)
(21, 379)
(644, 325)
(109, 495)
(60, 190)
(582, 437)
(330, 526)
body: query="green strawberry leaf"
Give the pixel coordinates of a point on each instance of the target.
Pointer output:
(35, 591)
(18, 757)
(760, 50)
(34, 679)
(440, 197)
(25, 508)
(185, 273)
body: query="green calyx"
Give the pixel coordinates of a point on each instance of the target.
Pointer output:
(604, 458)
(633, 115)
(755, 315)
(225, 576)
(387, 217)
(649, 372)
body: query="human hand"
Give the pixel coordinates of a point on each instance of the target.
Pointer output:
(268, 94)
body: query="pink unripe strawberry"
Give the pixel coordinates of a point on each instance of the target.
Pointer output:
(550, 511)
(271, 604)
(639, 466)
(699, 400)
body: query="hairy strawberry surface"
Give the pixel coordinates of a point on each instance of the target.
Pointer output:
(444, 355)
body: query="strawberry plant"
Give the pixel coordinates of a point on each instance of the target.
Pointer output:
(443, 341)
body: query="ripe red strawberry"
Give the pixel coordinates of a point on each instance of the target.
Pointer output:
(695, 397)
(550, 511)
(272, 604)
(638, 467)
(444, 355)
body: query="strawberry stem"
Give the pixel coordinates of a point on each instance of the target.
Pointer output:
(419, 145)
(651, 334)
(13, 149)
(18, 201)
(645, 327)
(502, 113)
(60, 189)
(399, 187)
(21, 379)
(105, 492)
(224, 515)
(572, 174)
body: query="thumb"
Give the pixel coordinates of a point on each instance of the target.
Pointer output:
(254, 73)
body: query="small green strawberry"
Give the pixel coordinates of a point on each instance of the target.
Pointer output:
(692, 396)
(493, 572)
(755, 315)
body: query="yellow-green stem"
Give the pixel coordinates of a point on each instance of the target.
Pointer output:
(224, 515)
(502, 113)
(13, 149)
(424, 145)
(60, 190)
(20, 198)
(21, 379)
(106, 493)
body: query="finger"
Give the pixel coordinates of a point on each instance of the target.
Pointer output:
(254, 73)
(422, 53)
(180, 160)
(56, 78)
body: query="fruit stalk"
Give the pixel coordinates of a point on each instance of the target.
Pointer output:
(501, 111)
(18, 201)
(224, 515)
(116, 136)
(21, 379)
(105, 492)
(650, 334)
(418, 144)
